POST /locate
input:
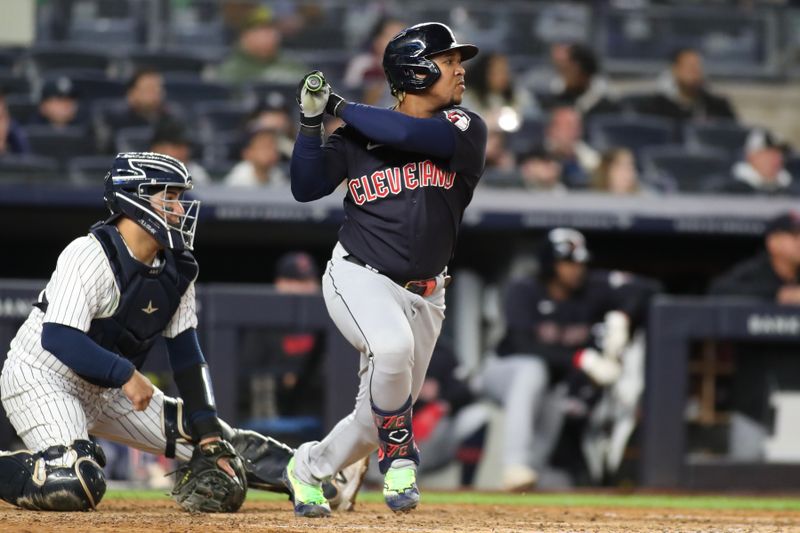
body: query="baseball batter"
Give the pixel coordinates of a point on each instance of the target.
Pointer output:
(410, 173)
(73, 367)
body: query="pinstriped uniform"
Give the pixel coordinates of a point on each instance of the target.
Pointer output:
(46, 401)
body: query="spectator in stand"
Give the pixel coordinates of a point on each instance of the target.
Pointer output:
(683, 94)
(146, 103)
(617, 173)
(59, 106)
(541, 172)
(494, 95)
(259, 165)
(580, 84)
(498, 155)
(550, 340)
(12, 136)
(365, 71)
(257, 56)
(762, 172)
(170, 138)
(774, 274)
(564, 140)
(761, 370)
(271, 113)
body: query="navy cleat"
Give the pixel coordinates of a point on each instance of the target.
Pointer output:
(400, 489)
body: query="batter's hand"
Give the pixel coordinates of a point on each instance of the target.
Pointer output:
(312, 94)
(138, 390)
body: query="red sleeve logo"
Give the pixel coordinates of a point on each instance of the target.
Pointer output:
(459, 118)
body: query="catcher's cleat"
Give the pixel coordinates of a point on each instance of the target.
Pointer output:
(308, 499)
(343, 488)
(400, 488)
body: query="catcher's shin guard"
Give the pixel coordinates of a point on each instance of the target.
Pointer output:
(60, 478)
(395, 436)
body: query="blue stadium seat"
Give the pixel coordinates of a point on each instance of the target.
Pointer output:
(89, 169)
(168, 61)
(26, 168)
(60, 144)
(682, 169)
(630, 131)
(91, 87)
(188, 90)
(44, 59)
(219, 118)
(529, 135)
(22, 107)
(13, 84)
(133, 139)
(118, 34)
(725, 135)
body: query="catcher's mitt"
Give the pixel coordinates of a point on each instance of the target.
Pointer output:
(201, 486)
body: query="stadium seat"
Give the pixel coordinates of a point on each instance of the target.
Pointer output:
(118, 34)
(45, 59)
(187, 90)
(501, 179)
(216, 118)
(60, 144)
(13, 84)
(133, 139)
(725, 135)
(21, 107)
(88, 169)
(28, 168)
(91, 87)
(633, 103)
(792, 164)
(630, 131)
(684, 170)
(530, 134)
(168, 62)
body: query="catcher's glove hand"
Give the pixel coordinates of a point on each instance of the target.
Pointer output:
(202, 486)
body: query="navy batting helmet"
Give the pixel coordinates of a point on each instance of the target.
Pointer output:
(132, 189)
(408, 55)
(561, 244)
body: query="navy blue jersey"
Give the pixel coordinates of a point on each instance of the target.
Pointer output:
(403, 209)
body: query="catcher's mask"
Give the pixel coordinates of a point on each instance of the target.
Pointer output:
(148, 188)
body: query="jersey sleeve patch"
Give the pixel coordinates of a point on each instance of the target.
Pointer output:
(458, 118)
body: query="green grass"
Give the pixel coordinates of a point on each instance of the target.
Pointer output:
(543, 499)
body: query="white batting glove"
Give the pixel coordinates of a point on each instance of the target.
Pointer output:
(312, 94)
(602, 370)
(617, 335)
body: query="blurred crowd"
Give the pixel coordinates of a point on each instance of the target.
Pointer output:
(555, 126)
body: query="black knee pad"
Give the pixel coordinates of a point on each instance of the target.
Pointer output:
(28, 481)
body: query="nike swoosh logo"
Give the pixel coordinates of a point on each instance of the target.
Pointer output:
(371, 146)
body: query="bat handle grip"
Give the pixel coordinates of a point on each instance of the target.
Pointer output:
(314, 83)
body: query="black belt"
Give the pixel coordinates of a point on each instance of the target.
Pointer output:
(422, 287)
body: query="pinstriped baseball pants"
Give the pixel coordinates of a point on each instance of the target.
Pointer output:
(48, 408)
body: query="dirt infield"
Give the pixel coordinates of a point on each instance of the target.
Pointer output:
(121, 516)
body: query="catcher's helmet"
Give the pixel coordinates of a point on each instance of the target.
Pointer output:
(135, 178)
(408, 54)
(561, 244)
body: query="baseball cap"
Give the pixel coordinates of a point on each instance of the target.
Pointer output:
(259, 16)
(59, 87)
(760, 139)
(296, 265)
(788, 222)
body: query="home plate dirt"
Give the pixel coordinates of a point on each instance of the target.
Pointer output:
(162, 516)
